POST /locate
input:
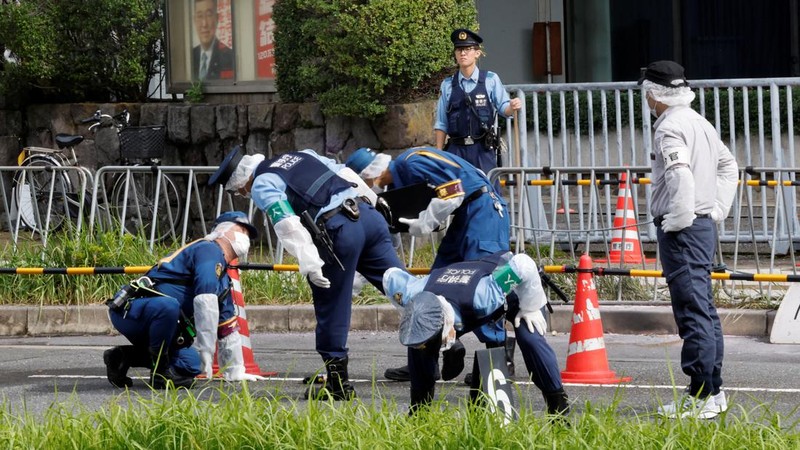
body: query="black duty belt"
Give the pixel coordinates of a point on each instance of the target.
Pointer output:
(468, 140)
(475, 194)
(657, 221)
(328, 214)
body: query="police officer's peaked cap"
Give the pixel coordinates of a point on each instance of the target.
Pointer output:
(463, 37)
(360, 159)
(665, 73)
(240, 218)
(223, 174)
(422, 319)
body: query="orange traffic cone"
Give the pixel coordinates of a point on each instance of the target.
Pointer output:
(250, 365)
(625, 245)
(587, 361)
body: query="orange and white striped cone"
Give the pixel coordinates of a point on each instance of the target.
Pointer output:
(250, 365)
(625, 245)
(587, 361)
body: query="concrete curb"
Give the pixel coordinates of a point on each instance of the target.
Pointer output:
(618, 317)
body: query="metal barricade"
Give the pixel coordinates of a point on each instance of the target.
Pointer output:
(44, 198)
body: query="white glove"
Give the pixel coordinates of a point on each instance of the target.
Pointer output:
(206, 317)
(530, 292)
(206, 366)
(231, 359)
(681, 187)
(297, 241)
(318, 279)
(436, 212)
(534, 319)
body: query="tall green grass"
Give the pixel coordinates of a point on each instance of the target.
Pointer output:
(225, 418)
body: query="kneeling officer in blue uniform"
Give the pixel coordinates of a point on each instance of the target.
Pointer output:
(338, 224)
(459, 298)
(177, 313)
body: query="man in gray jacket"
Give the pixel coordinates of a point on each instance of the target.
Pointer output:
(694, 179)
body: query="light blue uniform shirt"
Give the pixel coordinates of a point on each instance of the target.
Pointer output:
(269, 188)
(494, 87)
(488, 294)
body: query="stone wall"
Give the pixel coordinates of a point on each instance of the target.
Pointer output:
(200, 134)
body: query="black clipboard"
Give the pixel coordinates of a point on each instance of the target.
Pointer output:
(407, 202)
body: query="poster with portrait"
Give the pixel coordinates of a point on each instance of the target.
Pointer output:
(212, 40)
(265, 39)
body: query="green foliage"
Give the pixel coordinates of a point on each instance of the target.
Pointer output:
(195, 93)
(230, 416)
(104, 50)
(67, 250)
(356, 56)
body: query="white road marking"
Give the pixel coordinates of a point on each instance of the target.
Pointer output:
(524, 383)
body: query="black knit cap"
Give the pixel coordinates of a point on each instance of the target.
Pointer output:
(665, 73)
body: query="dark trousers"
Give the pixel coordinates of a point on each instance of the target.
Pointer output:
(364, 245)
(686, 257)
(151, 323)
(540, 360)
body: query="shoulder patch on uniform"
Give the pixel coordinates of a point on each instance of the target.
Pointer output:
(218, 269)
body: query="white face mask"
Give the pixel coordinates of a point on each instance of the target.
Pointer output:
(240, 245)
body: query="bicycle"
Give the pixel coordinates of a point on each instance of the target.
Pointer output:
(47, 194)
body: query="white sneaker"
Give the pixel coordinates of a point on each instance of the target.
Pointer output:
(721, 402)
(692, 407)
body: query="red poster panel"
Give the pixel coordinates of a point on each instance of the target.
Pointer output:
(265, 39)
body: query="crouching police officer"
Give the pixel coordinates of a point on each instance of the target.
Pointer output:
(339, 232)
(459, 298)
(177, 313)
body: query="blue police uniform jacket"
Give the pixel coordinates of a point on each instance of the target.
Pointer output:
(310, 184)
(461, 120)
(480, 225)
(197, 268)
(458, 282)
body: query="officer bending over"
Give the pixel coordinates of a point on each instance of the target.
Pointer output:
(322, 219)
(480, 223)
(459, 298)
(177, 314)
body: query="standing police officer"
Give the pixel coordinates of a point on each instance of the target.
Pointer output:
(480, 224)
(349, 235)
(469, 103)
(186, 293)
(459, 298)
(694, 183)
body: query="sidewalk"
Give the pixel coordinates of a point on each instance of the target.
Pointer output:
(618, 318)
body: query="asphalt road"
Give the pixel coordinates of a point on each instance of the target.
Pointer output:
(760, 378)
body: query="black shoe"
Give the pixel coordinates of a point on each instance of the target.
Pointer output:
(403, 374)
(337, 384)
(453, 361)
(344, 391)
(317, 378)
(117, 367)
(557, 402)
(170, 377)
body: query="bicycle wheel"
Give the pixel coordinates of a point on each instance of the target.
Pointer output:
(39, 194)
(133, 200)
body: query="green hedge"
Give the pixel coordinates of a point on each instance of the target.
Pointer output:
(99, 50)
(355, 57)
